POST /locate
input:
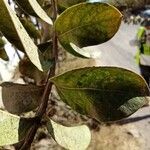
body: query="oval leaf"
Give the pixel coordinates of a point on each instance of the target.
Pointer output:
(12, 128)
(72, 138)
(19, 98)
(104, 93)
(14, 31)
(32, 7)
(87, 24)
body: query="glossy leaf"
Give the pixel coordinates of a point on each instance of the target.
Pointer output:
(30, 28)
(87, 24)
(3, 54)
(32, 7)
(72, 138)
(103, 93)
(19, 98)
(12, 128)
(13, 30)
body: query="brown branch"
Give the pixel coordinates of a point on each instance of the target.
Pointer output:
(48, 87)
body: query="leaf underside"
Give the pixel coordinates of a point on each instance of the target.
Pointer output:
(73, 138)
(32, 7)
(12, 128)
(14, 31)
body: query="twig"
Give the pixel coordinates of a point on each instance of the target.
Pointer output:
(51, 73)
(44, 101)
(18, 54)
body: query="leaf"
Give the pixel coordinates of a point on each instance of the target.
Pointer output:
(27, 69)
(32, 7)
(88, 53)
(12, 128)
(46, 32)
(103, 93)
(19, 98)
(3, 54)
(13, 30)
(64, 4)
(2, 43)
(87, 24)
(73, 138)
(30, 28)
(46, 49)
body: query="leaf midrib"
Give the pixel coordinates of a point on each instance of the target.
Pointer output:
(78, 27)
(92, 89)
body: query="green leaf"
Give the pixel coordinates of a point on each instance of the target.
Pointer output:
(103, 93)
(64, 4)
(87, 24)
(19, 98)
(32, 7)
(30, 28)
(73, 138)
(2, 43)
(12, 128)
(3, 54)
(14, 31)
